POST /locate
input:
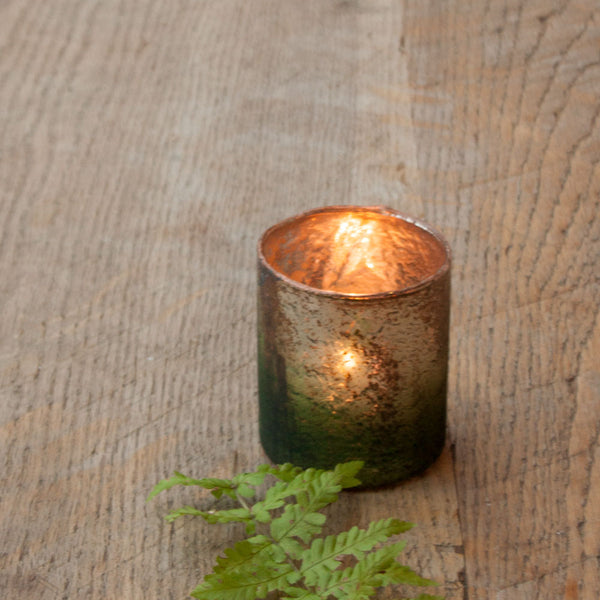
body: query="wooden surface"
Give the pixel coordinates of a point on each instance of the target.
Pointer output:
(144, 146)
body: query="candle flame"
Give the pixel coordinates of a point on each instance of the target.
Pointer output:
(348, 360)
(356, 263)
(355, 251)
(352, 229)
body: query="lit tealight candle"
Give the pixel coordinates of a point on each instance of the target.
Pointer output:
(348, 361)
(353, 341)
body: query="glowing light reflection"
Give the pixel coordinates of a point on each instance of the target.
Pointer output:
(348, 360)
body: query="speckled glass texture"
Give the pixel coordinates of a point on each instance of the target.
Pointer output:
(353, 313)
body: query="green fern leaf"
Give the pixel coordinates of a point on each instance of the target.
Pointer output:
(300, 594)
(248, 582)
(289, 558)
(242, 553)
(245, 483)
(397, 573)
(286, 472)
(320, 488)
(234, 515)
(217, 486)
(360, 581)
(184, 510)
(296, 522)
(347, 473)
(274, 498)
(323, 490)
(322, 557)
(314, 489)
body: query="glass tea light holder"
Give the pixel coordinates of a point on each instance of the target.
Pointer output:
(353, 314)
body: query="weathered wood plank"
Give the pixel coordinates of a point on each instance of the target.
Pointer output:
(515, 88)
(145, 146)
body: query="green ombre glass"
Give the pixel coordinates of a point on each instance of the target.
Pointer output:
(353, 313)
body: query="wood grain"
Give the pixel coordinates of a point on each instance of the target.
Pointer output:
(145, 146)
(518, 162)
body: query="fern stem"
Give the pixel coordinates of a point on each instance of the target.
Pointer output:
(242, 501)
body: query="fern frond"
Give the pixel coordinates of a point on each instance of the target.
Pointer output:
(217, 486)
(245, 483)
(286, 472)
(361, 580)
(314, 489)
(297, 522)
(242, 553)
(296, 593)
(347, 473)
(249, 582)
(322, 557)
(292, 547)
(184, 510)
(398, 573)
(289, 558)
(274, 498)
(234, 515)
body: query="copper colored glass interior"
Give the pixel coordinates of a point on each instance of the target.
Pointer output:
(353, 252)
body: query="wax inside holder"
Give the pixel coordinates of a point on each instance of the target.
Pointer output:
(353, 341)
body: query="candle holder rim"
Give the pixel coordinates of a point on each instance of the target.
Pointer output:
(382, 210)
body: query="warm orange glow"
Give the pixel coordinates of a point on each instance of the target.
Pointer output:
(348, 360)
(356, 262)
(355, 251)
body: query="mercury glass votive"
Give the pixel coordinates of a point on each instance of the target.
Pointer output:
(353, 313)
